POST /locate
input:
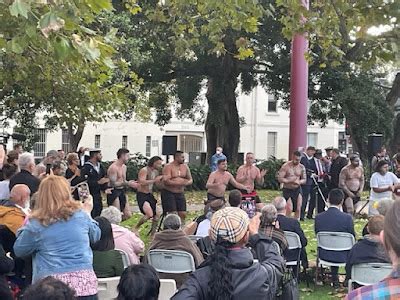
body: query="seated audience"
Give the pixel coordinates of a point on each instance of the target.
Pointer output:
(334, 220)
(124, 239)
(139, 282)
(57, 169)
(6, 266)
(270, 227)
(369, 249)
(49, 288)
(383, 206)
(107, 262)
(14, 210)
(234, 198)
(27, 166)
(173, 238)
(59, 233)
(73, 172)
(51, 158)
(9, 170)
(12, 158)
(230, 272)
(388, 288)
(292, 225)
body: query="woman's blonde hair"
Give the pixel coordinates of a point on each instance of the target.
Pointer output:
(54, 201)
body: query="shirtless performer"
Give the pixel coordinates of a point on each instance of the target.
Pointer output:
(147, 178)
(176, 176)
(351, 181)
(218, 181)
(293, 174)
(247, 173)
(117, 175)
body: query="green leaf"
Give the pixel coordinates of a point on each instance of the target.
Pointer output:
(62, 48)
(50, 23)
(16, 47)
(20, 8)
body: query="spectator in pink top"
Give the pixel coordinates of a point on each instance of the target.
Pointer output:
(124, 239)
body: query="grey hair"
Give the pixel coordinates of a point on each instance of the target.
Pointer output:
(384, 206)
(112, 214)
(279, 203)
(25, 159)
(172, 221)
(268, 214)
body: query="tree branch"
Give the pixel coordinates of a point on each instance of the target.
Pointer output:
(394, 93)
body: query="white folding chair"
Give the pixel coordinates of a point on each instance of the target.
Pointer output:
(107, 288)
(167, 289)
(171, 261)
(332, 241)
(125, 258)
(294, 243)
(369, 273)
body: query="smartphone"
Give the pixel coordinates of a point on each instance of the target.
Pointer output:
(83, 192)
(48, 168)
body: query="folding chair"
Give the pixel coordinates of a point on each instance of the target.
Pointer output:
(332, 241)
(294, 243)
(369, 273)
(171, 261)
(167, 289)
(125, 258)
(107, 288)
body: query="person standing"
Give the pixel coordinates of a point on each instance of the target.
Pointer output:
(147, 178)
(338, 163)
(316, 199)
(96, 178)
(292, 175)
(308, 162)
(27, 166)
(383, 183)
(216, 157)
(381, 154)
(351, 181)
(219, 180)
(117, 176)
(176, 177)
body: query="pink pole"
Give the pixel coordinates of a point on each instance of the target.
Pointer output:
(298, 93)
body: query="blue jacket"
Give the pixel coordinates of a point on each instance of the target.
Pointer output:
(336, 221)
(214, 161)
(61, 247)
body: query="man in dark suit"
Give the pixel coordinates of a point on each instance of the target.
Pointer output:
(334, 220)
(292, 225)
(338, 163)
(308, 162)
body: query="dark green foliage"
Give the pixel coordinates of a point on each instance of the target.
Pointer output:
(272, 165)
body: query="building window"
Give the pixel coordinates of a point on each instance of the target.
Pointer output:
(190, 143)
(39, 148)
(271, 144)
(65, 145)
(125, 141)
(312, 139)
(272, 104)
(148, 146)
(97, 141)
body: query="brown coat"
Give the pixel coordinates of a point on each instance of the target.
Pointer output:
(11, 216)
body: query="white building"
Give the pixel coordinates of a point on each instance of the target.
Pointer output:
(266, 133)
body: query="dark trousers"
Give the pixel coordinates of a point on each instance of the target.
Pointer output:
(97, 205)
(305, 190)
(314, 197)
(93, 297)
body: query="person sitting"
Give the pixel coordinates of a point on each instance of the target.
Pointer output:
(230, 272)
(388, 288)
(51, 158)
(235, 197)
(334, 220)
(14, 210)
(292, 225)
(369, 249)
(6, 266)
(270, 227)
(27, 166)
(383, 207)
(124, 239)
(49, 288)
(59, 233)
(139, 282)
(174, 238)
(107, 262)
(9, 170)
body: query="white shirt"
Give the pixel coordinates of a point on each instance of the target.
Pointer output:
(203, 228)
(382, 181)
(4, 189)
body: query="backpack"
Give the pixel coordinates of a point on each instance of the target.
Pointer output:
(288, 288)
(248, 204)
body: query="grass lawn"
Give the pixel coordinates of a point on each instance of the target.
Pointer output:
(320, 292)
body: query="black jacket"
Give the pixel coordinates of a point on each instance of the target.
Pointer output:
(337, 165)
(24, 177)
(89, 172)
(250, 280)
(310, 166)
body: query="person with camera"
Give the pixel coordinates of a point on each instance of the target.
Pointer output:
(307, 160)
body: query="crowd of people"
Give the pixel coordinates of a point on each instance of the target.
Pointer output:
(57, 239)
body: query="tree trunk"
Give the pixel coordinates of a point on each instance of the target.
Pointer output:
(222, 123)
(75, 136)
(392, 98)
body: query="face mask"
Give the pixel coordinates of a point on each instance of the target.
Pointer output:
(218, 152)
